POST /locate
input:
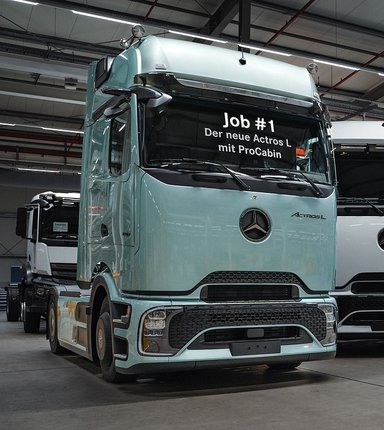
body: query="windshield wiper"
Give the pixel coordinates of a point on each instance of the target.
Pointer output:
(315, 188)
(174, 161)
(274, 173)
(358, 200)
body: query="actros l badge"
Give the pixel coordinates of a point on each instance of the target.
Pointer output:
(255, 225)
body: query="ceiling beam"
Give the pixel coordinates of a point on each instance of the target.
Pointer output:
(65, 4)
(42, 137)
(375, 93)
(332, 22)
(69, 5)
(340, 106)
(37, 151)
(37, 38)
(14, 117)
(55, 42)
(221, 18)
(44, 54)
(244, 35)
(32, 91)
(346, 78)
(43, 67)
(299, 13)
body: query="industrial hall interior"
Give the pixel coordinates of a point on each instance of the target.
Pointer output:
(192, 214)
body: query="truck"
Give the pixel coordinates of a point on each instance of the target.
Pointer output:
(208, 213)
(49, 223)
(359, 292)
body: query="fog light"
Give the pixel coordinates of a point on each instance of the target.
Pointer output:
(150, 345)
(154, 329)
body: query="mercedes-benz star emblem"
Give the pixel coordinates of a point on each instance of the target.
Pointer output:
(255, 225)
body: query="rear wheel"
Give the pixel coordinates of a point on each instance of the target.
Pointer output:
(13, 305)
(31, 321)
(56, 348)
(104, 345)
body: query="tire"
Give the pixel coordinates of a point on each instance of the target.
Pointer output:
(31, 321)
(56, 348)
(290, 365)
(13, 305)
(104, 347)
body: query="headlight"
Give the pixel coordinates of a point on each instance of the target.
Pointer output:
(330, 312)
(154, 329)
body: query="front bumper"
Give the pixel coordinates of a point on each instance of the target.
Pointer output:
(233, 334)
(360, 316)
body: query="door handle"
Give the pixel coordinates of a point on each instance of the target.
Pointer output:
(104, 230)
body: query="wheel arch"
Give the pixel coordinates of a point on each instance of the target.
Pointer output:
(103, 285)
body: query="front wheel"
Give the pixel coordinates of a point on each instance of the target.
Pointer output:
(104, 347)
(56, 348)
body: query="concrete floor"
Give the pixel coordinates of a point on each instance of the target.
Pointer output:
(39, 390)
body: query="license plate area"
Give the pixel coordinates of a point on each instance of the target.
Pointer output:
(255, 347)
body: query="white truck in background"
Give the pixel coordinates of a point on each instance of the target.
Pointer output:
(359, 155)
(50, 225)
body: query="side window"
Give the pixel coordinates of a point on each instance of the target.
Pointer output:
(35, 215)
(97, 148)
(120, 143)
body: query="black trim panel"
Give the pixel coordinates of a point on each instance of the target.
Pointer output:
(226, 182)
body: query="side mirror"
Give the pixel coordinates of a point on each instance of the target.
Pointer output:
(43, 203)
(161, 101)
(142, 92)
(21, 222)
(152, 96)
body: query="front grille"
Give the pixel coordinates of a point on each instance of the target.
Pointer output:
(63, 271)
(369, 276)
(234, 277)
(192, 320)
(349, 304)
(368, 287)
(234, 293)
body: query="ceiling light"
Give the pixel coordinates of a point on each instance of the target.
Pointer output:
(106, 18)
(197, 36)
(59, 171)
(26, 2)
(64, 130)
(30, 169)
(331, 63)
(271, 51)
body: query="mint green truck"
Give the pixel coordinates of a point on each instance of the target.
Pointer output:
(207, 215)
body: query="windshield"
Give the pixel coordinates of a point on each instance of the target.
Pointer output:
(360, 172)
(60, 222)
(246, 139)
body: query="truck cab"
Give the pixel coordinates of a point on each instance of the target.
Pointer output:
(208, 215)
(359, 155)
(49, 223)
